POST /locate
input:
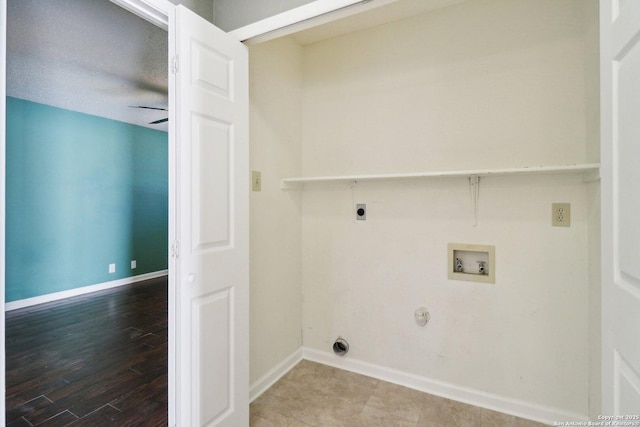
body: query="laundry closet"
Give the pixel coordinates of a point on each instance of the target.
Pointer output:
(461, 125)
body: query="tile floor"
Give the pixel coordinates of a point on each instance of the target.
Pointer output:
(312, 394)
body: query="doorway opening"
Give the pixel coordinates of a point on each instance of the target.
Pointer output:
(87, 195)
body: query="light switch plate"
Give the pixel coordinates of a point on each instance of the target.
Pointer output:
(256, 181)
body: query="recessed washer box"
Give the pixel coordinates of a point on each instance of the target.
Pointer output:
(472, 263)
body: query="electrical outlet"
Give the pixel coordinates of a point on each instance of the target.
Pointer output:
(561, 214)
(112, 268)
(256, 181)
(361, 212)
(134, 264)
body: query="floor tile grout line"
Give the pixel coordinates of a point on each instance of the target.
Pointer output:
(98, 409)
(111, 404)
(59, 413)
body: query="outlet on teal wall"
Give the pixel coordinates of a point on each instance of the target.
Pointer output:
(82, 192)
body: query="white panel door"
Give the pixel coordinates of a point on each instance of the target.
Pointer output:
(213, 228)
(620, 157)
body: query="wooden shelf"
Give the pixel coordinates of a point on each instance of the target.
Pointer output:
(590, 172)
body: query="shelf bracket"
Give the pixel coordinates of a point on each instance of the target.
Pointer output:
(591, 176)
(474, 191)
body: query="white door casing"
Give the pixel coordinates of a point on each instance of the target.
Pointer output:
(212, 267)
(3, 115)
(620, 170)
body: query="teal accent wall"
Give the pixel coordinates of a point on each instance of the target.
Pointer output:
(82, 192)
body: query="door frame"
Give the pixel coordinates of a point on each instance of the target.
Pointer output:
(3, 151)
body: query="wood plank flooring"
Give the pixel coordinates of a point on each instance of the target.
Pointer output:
(97, 360)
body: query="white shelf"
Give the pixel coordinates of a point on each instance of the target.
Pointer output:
(590, 172)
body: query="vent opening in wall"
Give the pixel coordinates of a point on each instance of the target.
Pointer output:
(341, 346)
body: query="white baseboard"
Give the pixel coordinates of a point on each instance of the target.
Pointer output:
(27, 302)
(494, 402)
(269, 379)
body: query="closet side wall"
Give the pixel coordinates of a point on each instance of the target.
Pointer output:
(275, 223)
(479, 85)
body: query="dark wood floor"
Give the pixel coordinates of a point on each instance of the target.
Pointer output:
(94, 360)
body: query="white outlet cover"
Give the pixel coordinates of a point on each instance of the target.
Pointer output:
(134, 264)
(112, 268)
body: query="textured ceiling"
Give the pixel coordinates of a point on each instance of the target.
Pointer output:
(89, 56)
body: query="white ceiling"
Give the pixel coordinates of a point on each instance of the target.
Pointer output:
(89, 56)
(368, 15)
(360, 15)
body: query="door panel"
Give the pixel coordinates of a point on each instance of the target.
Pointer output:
(214, 350)
(213, 260)
(620, 76)
(213, 207)
(219, 81)
(627, 387)
(627, 70)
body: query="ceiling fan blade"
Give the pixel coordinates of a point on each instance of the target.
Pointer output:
(148, 108)
(166, 119)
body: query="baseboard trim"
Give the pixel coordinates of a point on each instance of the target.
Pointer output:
(27, 302)
(494, 402)
(270, 378)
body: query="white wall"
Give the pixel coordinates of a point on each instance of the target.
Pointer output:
(464, 85)
(496, 83)
(275, 105)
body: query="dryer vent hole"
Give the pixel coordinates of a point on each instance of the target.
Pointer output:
(340, 347)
